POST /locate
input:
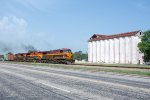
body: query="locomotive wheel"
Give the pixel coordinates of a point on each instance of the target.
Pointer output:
(68, 62)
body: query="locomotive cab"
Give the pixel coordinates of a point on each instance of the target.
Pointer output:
(68, 54)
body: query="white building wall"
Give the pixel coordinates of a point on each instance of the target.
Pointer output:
(94, 51)
(98, 51)
(106, 51)
(102, 51)
(90, 52)
(122, 50)
(140, 54)
(111, 51)
(128, 50)
(134, 50)
(116, 47)
(137, 49)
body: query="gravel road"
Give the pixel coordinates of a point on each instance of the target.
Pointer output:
(27, 82)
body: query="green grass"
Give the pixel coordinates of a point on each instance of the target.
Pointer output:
(135, 72)
(117, 65)
(92, 68)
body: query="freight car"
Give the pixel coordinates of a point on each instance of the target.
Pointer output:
(1, 57)
(7, 57)
(10, 57)
(61, 56)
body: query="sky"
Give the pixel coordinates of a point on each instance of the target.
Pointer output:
(56, 24)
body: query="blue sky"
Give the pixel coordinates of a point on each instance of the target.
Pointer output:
(54, 24)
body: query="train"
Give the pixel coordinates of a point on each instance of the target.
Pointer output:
(59, 56)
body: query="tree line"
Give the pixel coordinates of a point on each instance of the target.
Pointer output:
(79, 55)
(144, 45)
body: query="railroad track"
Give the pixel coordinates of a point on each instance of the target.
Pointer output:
(109, 66)
(134, 67)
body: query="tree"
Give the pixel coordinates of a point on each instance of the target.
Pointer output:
(144, 45)
(77, 55)
(85, 56)
(80, 55)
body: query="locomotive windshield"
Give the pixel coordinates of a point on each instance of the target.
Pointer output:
(67, 50)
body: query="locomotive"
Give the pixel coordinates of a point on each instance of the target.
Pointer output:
(60, 56)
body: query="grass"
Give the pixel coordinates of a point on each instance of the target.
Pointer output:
(92, 68)
(117, 65)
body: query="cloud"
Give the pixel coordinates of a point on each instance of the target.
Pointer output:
(12, 28)
(15, 36)
(13, 32)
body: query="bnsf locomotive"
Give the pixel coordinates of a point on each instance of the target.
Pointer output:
(61, 56)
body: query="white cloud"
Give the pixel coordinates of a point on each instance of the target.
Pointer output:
(14, 35)
(12, 28)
